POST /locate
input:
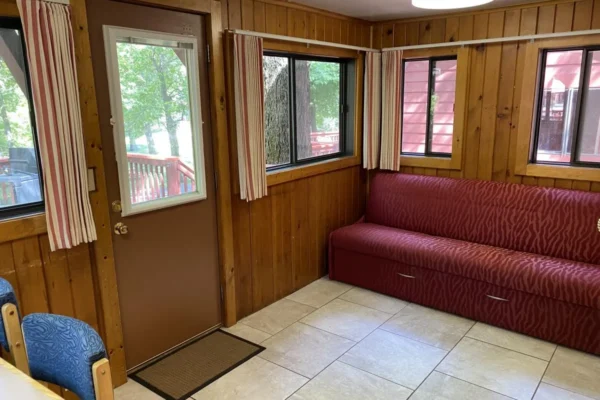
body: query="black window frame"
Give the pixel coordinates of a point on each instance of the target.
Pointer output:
(345, 147)
(22, 210)
(583, 79)
(429, 125)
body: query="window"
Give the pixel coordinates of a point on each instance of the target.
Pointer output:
(429, 92)
(20, 173)
(306, 111)
(567, 124)
(155, 103)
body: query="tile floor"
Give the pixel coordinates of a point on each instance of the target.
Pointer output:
(332, 341)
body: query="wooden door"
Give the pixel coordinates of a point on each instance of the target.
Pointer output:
(167, 255)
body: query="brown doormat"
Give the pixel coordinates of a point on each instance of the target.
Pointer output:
(180, 374)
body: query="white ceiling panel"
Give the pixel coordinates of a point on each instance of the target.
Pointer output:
(380, 10)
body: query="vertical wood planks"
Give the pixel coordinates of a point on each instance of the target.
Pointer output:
(500, 167)
(263, 290)
(387, 32)
(302, 254)
(30, 274)
(285, 235)
(493, 58)
(564, 17)
(281, 19)
(281, 220)
(452, 25)
(235, 14)
(582, 18)
(546, 19)
(297, 23)
(247, 15)
(520, 24)
(58, 279)
(475, 103)
(260, 23)
(400, 35)
(60, 282)
(82, 285)
(596, 15)
(242, 256)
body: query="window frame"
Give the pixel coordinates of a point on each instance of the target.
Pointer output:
(580, 102)
(528, 79)
(429, 128)
(343, 114)
(24, 210)
(464, 55)
(112, 36)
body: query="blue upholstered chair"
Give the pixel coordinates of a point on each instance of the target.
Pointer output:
(69, 353)
(11, 337)
(7, 296)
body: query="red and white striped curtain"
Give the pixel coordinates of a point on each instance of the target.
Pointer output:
(372, 110)
(250, 116)
(51, 55)
(391, 115)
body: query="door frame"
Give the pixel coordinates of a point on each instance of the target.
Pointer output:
(102, 249)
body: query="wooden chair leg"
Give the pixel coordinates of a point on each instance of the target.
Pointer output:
(102, 380)
(14, 335)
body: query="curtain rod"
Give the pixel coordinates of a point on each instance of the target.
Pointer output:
(65, 2)
(496, 40)
(299, 40)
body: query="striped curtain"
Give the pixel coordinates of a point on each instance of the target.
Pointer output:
(391, 114)
(250, 116)
(372, 113)
(51, 55)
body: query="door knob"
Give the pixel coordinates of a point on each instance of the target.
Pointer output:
(121, 229)
(116, 206)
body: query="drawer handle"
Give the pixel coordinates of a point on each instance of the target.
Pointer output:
(406, 276)
(496, 298)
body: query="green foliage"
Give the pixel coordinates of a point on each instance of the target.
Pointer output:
(325, 95)
(154, 91)
(15, 127)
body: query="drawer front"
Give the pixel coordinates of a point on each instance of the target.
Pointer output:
(553, 320)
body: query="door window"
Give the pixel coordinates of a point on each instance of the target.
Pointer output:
(155, 105)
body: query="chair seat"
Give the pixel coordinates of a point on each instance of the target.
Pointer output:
(565, 280)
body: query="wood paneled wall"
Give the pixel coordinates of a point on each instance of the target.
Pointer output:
(495, 79)
(59, 282)
(282, 18)
(280, 241)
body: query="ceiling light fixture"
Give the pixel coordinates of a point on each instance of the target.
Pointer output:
(448, 4)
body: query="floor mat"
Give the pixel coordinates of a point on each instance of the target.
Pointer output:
(180, 374)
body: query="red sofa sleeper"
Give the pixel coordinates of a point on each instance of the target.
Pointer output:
(519, 257)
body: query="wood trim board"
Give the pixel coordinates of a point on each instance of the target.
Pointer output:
(463, 69)
(102, 249)
(221, 152)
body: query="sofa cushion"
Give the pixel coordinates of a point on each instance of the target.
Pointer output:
(547, 221)
(569, 281)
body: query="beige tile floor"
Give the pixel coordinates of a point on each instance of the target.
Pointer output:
(332, 341)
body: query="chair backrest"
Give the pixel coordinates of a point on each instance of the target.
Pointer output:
(63, 351)
(7, 296)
